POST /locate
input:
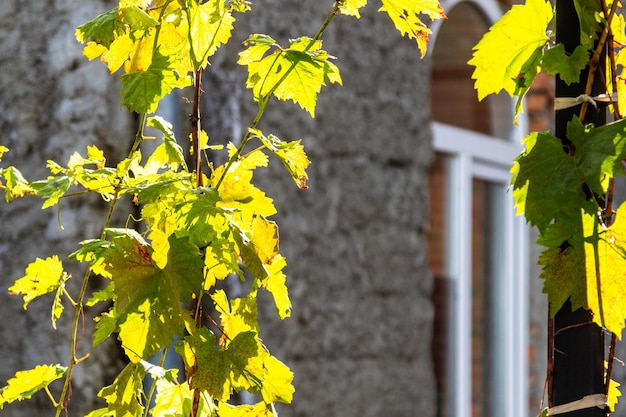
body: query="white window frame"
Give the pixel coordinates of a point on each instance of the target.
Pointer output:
(474, 155)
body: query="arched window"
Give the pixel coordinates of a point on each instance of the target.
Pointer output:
(478, 248)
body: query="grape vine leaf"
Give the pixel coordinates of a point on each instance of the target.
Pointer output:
(405, 17)
(3, 150)
(296, 73)
(260, 409)
(614, 393)
(277, 383)
(567, 66)
(291, 154)
(26, 383)
(275, 283)
(15, 184)
(605, 260)
(563, 271)
(507, 57)
(210, 26)
(124, 396)
(545, 182)
(237, 316)
(352, 7)
(218, 370)
(591, 19)
(598, 152)
(169, 152)
(141, 91)
(147, 308)
(42, 277)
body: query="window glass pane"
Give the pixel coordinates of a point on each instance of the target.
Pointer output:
(487, 278)
(443, 285)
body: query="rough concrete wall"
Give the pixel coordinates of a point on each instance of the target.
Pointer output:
(359, 338)
(52, 101)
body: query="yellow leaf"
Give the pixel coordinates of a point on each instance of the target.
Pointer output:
(143, 4)
(25, 383)
(277, 383)
(118, 53)
(351, 7)
(42, 277)
(93, 50)
(605, 261)
(141, 57)
(259, 409)
(405, 17)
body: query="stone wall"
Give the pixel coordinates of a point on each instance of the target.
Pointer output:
(359, 337)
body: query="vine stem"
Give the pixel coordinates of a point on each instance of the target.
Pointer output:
(62, 404)
(595, 59)
(263, 101)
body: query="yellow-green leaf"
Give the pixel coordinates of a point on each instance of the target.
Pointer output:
(26, 383)
(405, 17)
(291, 154)
(296, 73)
(260, 409)
(42, 277)
(507, 57)
(210, 26)
(605, 261)
(275, 283)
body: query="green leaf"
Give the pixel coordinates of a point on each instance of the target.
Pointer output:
(507, 57)
(291, 154)
(142, 91)
(598, 152)
(26, 383)
(567, 66)
(590, 17)
(218, 371)
(42, 277)
(297, 73)
(210, 26)
(51, 189)
(139, 22)
(405, 17)
(546, 184)
(102, 30)
(147, 308)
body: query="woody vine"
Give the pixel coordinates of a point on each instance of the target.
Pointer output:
(202, 223)
(564, 185)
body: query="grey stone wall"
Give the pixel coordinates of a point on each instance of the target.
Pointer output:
(359, 338)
